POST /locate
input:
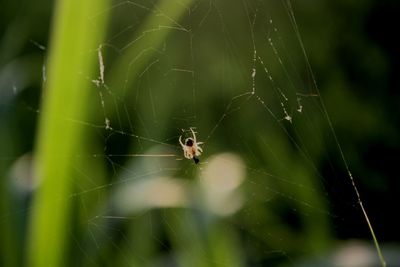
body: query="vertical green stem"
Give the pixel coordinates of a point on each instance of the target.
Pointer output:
(77, 32)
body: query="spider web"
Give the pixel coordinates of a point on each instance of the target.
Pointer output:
(238, 74)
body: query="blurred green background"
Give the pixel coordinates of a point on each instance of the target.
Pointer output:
(93, 99)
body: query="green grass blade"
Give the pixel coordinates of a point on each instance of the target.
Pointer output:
(75, 36)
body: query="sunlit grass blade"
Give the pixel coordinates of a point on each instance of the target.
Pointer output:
(71, 61)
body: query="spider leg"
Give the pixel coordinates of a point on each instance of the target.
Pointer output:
(194, 135)
(199, 149)
(180, 141)
(187, 154)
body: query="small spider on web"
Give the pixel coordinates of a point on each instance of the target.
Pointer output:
(191, 148)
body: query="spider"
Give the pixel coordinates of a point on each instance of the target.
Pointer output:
(191, 148)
